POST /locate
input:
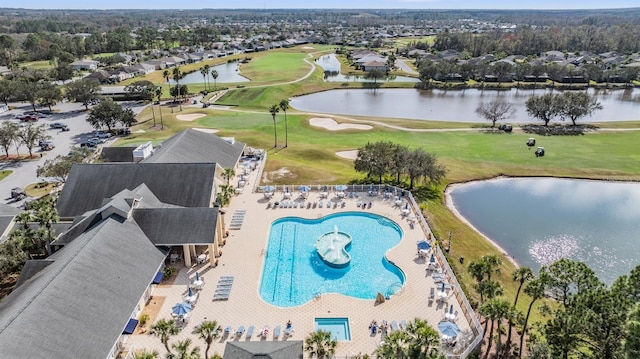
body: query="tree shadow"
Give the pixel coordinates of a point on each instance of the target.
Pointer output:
(559, 130)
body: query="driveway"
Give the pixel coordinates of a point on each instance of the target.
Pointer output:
(24, 172)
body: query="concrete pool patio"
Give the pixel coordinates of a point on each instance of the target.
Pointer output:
(243, 256)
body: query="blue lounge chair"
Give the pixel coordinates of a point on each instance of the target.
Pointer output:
(403, 324)
(227, 277)
(221, 296)
(240, 331)
(227, 330)
(250, 331)
(394, 325)
(276, 332)
(288, 331)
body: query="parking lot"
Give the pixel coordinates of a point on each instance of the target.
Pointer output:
(71, 114)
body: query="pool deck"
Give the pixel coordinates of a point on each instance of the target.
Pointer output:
(243, 257)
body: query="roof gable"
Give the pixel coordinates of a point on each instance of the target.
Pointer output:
(192, 146)
(182, 184)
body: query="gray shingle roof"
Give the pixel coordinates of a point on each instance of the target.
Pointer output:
(182, 184)
(193, 146)
(78, 306)
(290, 349)
(177, 226)
(117, 154)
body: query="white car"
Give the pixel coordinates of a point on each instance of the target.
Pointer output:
(95, 140)
(101, 134)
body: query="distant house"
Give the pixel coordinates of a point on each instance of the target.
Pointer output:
(157, 64)
(87, 65)
(374, 65)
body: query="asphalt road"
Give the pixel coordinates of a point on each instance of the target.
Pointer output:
(24, 172)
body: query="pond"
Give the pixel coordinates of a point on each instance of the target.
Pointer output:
(331, 65)
(227, 73)
(539, 220)
(454, 105)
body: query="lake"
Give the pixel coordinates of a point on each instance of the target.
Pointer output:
(540, 220)
(332, 64)
(454, 105)
(227, 73)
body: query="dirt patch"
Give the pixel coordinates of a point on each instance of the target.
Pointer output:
(277, 175)
(152, 309)
(331, 124)
(350, 155)
(206, 130)
(190, 116)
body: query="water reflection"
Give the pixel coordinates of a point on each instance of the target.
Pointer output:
(331, 66)
(540, 220)
(454, 105)
(227, 73)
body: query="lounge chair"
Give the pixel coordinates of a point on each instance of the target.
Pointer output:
(240, 331)
(343, 204)
(320, 204)
(394, 325)
(227, 330)
(227, 277)
(250, 331)
(403, 324)
(288, 331)
(222, 285)
(276, 332)
(432, 294)
(221, 296)
(315, 204)
(265, 331)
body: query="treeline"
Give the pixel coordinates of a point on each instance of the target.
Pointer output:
(587, 319)
(398, 162)
(529, 42)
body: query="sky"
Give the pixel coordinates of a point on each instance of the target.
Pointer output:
(324, 4)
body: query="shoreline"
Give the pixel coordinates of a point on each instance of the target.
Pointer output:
(449, 204)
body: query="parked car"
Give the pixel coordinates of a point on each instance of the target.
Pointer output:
(101, 134)
(47, 146)
(88, 144)
(58, 125)
(95, 140)
(27, 118)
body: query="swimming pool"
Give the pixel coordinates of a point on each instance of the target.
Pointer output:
(338, 327)
(293, 273)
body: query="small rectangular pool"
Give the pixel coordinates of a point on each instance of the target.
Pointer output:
(339, 327)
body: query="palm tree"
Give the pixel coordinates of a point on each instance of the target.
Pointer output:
(183, 351)
(159, 95)
(228, 174)
(165, 75)
(164, 329)
(284, 106)
(204, 76)
(396, 346)
(424, 340)
(177, 75)
(214, 74)
(521, 275)
(209, 330)
(493, 310)
(146, 355)
(205, 69)
(535, 289)
(320, 345)
(274, 110)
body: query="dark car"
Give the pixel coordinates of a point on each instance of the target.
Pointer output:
(59, 125)
(18, 194)
(88, 144)
(47, 146)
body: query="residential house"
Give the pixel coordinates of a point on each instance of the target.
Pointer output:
(374, 65)
(87, 65)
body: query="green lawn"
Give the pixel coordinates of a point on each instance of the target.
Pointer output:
(38, 65)
(4, 174)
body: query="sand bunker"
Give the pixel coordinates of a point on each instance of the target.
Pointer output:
(308, 48)
(331, 125)
(207, 130)
(350, 155)
(190, 117)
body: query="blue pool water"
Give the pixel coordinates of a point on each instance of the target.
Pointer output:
(338, 327)
(293, 273)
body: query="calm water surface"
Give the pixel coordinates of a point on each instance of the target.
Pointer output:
(540, 220)
(457, 105)
(226, 73)
(331, 63)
